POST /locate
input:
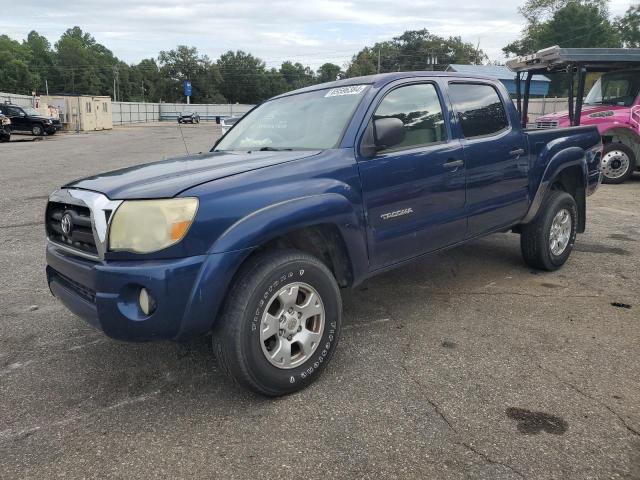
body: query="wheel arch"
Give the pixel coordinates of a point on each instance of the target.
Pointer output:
(567, 170)
(626, 136)
(324, 225)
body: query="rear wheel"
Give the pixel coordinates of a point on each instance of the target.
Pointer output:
(37, 130)
(547, 242)
(618, 163)
(281, 323)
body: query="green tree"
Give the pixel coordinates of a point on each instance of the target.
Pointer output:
(42, 58)
(83, 65)
(572, 24)
(569, 24)
(184, 63)
(414, 50)
(15, 75)
(629, 27)
(329, 72)
(296, 75)
(243, 77)
(536, 11)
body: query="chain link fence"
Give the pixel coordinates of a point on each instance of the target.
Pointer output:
(125, 113)
(22, 100)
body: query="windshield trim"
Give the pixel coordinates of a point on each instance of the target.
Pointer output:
(291, 94)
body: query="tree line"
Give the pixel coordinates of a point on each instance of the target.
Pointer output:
(78, 64)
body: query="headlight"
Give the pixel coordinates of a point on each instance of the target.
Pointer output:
(145, 226)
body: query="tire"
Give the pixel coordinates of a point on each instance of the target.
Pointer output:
(37, 130)
(618, 163)
(264, 281)
(536, 240)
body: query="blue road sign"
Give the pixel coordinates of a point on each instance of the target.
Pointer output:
(187, 88)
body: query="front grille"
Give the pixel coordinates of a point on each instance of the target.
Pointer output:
(80, 236)
(82, 291)
(544, 124)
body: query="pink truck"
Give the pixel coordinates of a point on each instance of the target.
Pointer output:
(613, 105)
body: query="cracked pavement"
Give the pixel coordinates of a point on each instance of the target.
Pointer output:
(461, 365)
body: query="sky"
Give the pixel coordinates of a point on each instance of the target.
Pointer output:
(311, 32)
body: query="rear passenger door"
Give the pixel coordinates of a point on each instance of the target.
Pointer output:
(414, 192)
(18, 118)
(497, 163)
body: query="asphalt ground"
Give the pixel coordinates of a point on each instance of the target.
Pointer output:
(465, 364)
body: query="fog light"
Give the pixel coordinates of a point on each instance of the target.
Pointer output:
(147, 302)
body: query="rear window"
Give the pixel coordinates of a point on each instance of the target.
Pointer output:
(478, 109)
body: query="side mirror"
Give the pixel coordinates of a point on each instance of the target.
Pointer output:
(381, 134)
(388, 132)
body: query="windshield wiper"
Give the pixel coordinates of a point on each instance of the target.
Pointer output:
(274, 149)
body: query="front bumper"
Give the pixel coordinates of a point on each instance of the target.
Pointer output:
(188, 292)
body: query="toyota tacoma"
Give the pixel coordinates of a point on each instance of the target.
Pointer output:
(312, 191)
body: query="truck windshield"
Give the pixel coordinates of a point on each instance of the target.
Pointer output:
(30, 111)
(618, 88)
(313, 120)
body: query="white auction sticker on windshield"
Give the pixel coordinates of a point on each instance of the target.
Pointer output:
(352, 90)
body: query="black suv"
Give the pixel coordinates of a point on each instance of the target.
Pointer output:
(188, 117)
(27, 119)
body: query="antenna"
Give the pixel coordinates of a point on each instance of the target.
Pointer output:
(182, 135)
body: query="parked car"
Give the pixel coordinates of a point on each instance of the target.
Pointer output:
(188, 117)
(227, 123)
(315, 190)
(28, 119)
(5, 128)
(612, 105)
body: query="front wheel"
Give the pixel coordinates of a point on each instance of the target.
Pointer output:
(281, 323)
(37, 130)
(618, 163)
(547, 242)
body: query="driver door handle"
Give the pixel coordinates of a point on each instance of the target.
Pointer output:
(451, 164)
(517, 152)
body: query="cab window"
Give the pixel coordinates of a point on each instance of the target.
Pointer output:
(419, 109)
(479, 109)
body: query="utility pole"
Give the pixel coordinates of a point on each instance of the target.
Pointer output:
(142, 85)
(378, 60)
(478, 51)
(115, 69)
(46, 86)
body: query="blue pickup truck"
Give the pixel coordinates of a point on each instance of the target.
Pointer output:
(312, 191)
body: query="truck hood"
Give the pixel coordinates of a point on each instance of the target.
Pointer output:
(586, 111)
(168, 178)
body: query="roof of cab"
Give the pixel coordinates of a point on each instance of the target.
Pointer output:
(382, 79)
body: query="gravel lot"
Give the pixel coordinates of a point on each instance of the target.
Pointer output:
(466, 364)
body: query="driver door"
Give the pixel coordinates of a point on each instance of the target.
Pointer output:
(414, 192)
